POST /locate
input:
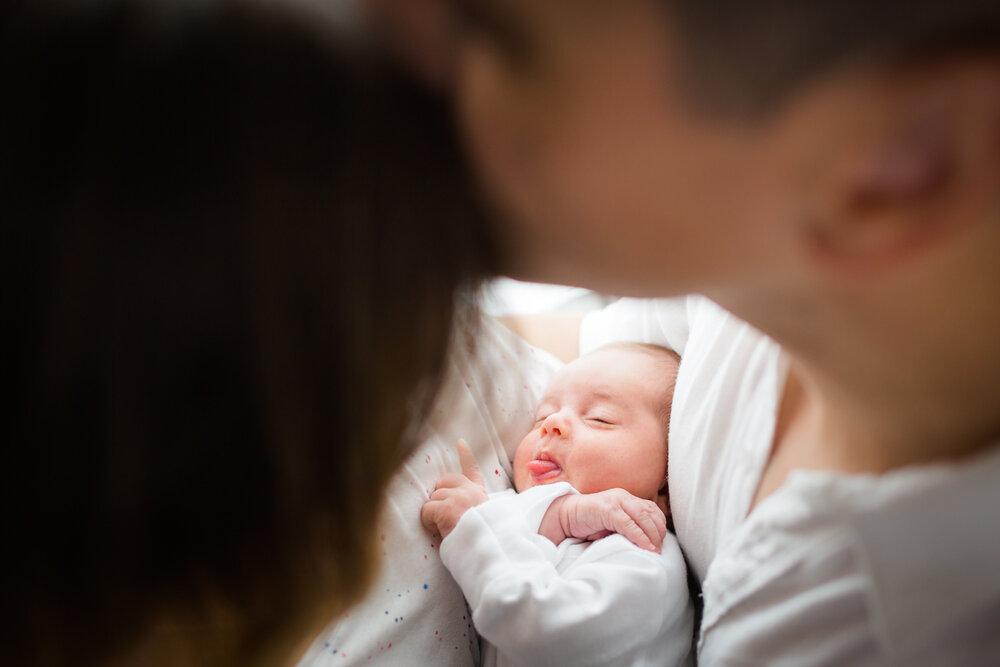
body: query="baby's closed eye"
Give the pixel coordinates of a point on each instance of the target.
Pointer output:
(603, 420)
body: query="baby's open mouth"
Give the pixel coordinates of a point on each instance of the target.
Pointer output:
(543, 468)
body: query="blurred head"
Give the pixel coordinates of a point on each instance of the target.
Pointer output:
(657, 147)
(603, 423)
(232, 238)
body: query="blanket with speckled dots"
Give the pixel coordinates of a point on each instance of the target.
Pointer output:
(415, 613)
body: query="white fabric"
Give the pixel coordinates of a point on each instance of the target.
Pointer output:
(722, 421)
(415, 614)
(598, 603)
(505, 296)
(831, 569)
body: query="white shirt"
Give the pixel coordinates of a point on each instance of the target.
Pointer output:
(598, 603)
(830, 569)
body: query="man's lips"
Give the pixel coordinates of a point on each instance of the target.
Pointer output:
(543, 469)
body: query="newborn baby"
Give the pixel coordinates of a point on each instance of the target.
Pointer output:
(577, 567)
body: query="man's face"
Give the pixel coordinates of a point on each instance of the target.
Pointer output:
(607, 176)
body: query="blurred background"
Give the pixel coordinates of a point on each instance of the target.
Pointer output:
(504, 297)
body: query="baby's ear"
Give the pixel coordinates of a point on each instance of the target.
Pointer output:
(663, 500)
(663, 503)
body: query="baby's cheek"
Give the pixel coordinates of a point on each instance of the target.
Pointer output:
(595, 478)
(522, 480)
(648, 485)
(636, 477)
(523, 454)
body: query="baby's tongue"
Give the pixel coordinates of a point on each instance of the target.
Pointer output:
(539, 467)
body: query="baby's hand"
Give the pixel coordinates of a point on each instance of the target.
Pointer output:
(595, 515)
(454, 494)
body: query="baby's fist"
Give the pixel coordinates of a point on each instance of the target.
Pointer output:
(454, 494)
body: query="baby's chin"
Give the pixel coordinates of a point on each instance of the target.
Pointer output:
(523, 482)
(527, 481)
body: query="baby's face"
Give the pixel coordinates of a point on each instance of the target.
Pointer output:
(599, 427)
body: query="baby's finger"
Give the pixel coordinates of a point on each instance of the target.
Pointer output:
(652, 523)
(623, 524)
(441, 493)
(648, 518)
(451, 480)
(661, 523)
(469, 466)
(428, 516)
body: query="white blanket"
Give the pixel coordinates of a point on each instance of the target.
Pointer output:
(415, 614)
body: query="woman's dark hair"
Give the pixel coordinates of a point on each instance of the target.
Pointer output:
(232, 237)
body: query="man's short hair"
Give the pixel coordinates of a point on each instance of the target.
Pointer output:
(743, 57)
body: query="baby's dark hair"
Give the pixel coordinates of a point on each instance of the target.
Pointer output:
(232, 234)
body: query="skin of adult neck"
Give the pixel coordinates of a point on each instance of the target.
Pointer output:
(895, 368)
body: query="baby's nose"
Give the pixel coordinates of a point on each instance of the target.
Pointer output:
(555, 424)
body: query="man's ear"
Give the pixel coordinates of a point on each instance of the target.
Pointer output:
(922, 167)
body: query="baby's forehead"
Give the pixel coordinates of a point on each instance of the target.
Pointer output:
(615, 359)
(606, 372)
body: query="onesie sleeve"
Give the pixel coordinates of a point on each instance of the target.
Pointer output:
(663, 322)
(615, 604)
